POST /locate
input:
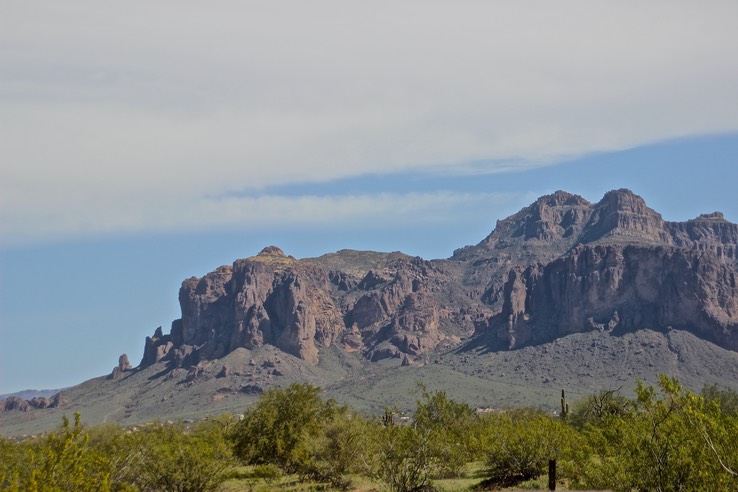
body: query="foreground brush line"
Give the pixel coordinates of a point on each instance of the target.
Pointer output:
(666, 438)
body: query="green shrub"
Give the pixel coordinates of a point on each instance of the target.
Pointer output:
(519, 445)
(268, 473)
(343, 447)
(165, 457)
(600, 407)
(62, 461)
(672, 440)
(11, 458)
(278, 428)
(405, 460)
(449, 429)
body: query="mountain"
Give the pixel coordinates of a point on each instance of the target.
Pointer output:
(32, 393)
(563, 293)
(560, 266)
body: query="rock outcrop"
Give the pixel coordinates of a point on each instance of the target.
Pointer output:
(15, 404)
(559, 266)
(18, 404)
(708, 232)
(621, 288)
(302, 307)
(123, 366)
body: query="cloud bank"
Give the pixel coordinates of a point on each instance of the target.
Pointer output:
(378, 210)
(132, 117)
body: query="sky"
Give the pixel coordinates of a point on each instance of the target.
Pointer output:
(142, 143)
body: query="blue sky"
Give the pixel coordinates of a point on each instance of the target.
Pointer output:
(143, 144)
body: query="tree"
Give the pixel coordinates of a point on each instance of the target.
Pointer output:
(447, 426)
(725, 398)
(277, 428)
(664, 453)
(167, 457)
(11, 457)
(64, 461)
(672, 440)
(405, 460)
(519, 445)
(341, 448)
(600, 407)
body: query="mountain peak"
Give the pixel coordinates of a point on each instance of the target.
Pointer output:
(714, 216)
(272, 251)
(554, 223)
(622, 215)
(546, 227)
(561, 198)
(624, 199)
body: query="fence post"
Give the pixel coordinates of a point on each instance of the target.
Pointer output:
(551, 474)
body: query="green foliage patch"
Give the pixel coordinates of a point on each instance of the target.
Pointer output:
(665, 439)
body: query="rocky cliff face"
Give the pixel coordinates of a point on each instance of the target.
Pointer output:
(300, 306)
(621, 288)
(710, 233)
(559, 266)
(18, 404)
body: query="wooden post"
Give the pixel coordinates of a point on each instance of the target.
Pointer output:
(551, 474)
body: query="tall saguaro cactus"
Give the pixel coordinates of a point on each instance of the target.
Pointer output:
(564, 405)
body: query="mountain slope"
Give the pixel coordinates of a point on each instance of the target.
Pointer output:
(564, 292)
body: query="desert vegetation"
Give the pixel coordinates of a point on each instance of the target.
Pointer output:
(665, 438)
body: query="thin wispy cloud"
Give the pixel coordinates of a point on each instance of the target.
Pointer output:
(380, 210)
(128, 117)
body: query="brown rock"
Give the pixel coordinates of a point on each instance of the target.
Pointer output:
(39, 402)
(558, 266)
(384, 352)
(185, 356)
(57, 401)
(272, 251)
(116, 373)
(708, 232)
(224, 372)
(157, 348)
(194, 373)
(623, 288)
(352, 341)
(544, 229)
(623, 215)
(251, 389)
(16, 404)
(175, 373)
(123, 363)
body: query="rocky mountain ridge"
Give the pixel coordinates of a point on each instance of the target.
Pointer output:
(561, 265)
(555, 223)
(564, 293)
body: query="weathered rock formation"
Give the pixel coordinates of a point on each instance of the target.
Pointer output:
(560, 265)
(302, 306)
(18, 404)
(621, 288)
(15, 403)
(123, 366)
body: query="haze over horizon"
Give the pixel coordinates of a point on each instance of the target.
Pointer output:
(146, 144)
